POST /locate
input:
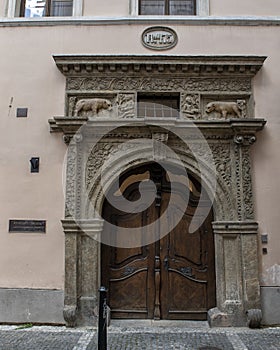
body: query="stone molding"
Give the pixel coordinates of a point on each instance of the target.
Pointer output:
(70, 125)
(88, 227)
(71, 65)
(148, 20)
(235, 227)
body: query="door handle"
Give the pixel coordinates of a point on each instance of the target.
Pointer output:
(166, 263)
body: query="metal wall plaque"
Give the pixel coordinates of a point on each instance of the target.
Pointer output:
(27, 226)
(159, 38)
(22, 112)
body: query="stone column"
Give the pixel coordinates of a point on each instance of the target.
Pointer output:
(238, 298)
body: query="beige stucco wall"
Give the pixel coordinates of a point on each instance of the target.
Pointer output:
(244, 8)
(30, 76)
(106, 8)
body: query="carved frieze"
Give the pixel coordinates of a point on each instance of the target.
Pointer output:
(157, 83)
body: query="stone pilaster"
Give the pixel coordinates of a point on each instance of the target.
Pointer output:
(71, 231)
(89, 262)
(236, 270)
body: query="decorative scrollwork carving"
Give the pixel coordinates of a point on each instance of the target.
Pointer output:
(244, 140)
(157, 84)
(248, 209)
(96, 159)
(71, 182)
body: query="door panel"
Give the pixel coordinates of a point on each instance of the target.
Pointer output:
(173, 278)
(186, 276)
(127, 272)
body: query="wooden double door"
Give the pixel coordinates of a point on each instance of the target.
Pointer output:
(172, 277)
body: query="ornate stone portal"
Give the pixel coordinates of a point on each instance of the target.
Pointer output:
(100, 138)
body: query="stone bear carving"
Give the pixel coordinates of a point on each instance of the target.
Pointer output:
(224, 108)
(92, 104)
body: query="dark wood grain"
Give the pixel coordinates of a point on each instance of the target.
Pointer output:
(173, 278)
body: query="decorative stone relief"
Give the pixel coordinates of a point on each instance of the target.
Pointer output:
(158, 84)
(248, 209)
(96, 159)
(71, 105)
(92, 106)
(243, 176)
(196, 79)
(126, 105)
(190, 106)
(222, 159)
(225, 109)
(159, 148)
(71, 183)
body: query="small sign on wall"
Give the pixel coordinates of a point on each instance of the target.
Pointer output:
(27, 226)
(159, 38)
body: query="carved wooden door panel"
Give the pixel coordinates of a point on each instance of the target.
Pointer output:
(173, 278)
(187, 266)
(128, 273)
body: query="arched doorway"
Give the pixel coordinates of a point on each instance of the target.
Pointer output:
(172, 277)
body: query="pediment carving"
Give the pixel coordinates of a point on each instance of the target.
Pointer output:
(210, 87)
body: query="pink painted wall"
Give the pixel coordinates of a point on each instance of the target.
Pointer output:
(30, 76)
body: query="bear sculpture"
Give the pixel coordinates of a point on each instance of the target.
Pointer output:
(224, 108)
(93, 105)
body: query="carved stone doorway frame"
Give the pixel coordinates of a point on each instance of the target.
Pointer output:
(199, 81)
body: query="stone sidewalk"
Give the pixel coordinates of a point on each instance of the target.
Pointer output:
(140, 337)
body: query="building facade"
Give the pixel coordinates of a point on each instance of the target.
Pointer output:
(98, 97)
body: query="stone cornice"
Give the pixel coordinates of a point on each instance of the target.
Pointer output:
(247, 126)
(83, 65)
(139, 20)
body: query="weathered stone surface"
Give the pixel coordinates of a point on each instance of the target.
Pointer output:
(31, 305)
(254, 318)
(196, 80)
(270, 300)
(216, 318)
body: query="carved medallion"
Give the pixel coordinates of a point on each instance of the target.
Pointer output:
(159, 38)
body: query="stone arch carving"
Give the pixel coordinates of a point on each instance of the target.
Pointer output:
(127, 159)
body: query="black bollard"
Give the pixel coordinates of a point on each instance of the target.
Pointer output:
(102, 320)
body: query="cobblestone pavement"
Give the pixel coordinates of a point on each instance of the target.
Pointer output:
(140, 338)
